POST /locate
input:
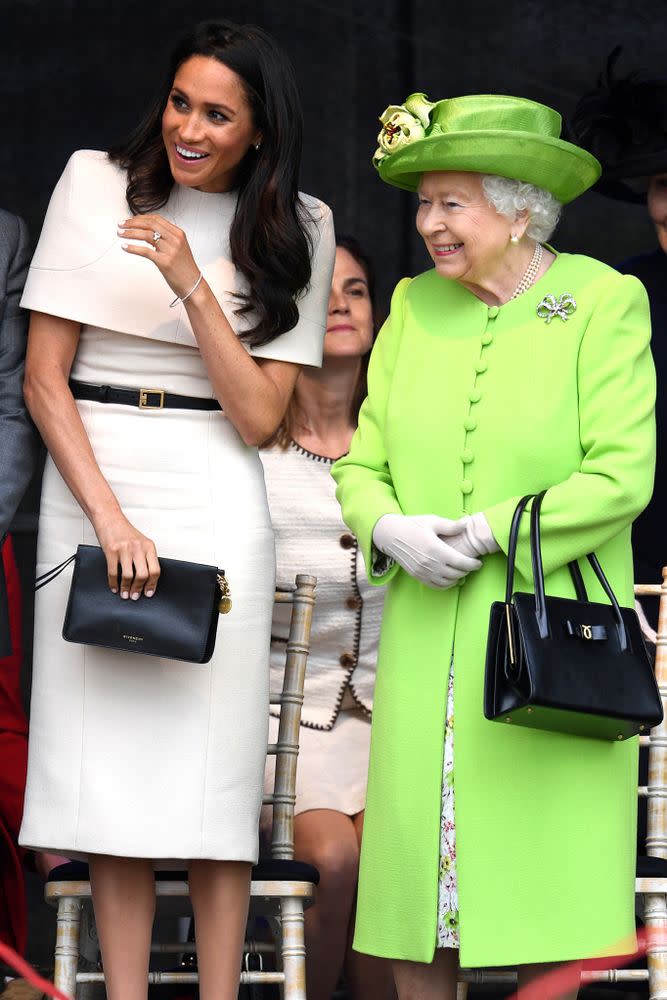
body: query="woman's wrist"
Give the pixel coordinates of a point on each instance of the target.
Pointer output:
(189, 292)
(201, 300)
(102, 509)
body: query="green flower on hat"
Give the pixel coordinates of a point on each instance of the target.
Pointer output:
(403, 124)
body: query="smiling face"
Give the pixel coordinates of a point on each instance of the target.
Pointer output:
(207, 125)
(468, 240)
(657, 207)
(350, 317)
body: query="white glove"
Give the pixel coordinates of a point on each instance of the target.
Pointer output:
(472, 535)
(414, 542)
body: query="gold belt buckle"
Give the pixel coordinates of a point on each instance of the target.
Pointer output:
(146, 404)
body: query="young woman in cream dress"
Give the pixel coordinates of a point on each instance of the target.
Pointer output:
(192, 212)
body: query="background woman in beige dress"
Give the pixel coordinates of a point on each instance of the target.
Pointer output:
(335, 722)
(177, 262)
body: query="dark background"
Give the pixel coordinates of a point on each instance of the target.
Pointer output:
(79, 73)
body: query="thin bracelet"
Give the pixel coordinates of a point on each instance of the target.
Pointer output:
(193, 289)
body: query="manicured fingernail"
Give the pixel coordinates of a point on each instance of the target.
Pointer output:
(125, 246)
(135, 597)
(121, 230)
(125, 595)
(114, 590)
(149, 593)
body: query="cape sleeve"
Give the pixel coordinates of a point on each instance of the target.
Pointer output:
(304, 343)
(78, 231)
(365, 487)
(616, 382)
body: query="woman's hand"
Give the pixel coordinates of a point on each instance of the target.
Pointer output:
(415, 543)
(472, 535)
(136, 555)
(170, 253)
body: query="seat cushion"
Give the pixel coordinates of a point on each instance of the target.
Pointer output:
(651, 867)
(268, 870)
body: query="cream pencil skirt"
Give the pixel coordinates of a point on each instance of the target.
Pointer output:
(134, 755)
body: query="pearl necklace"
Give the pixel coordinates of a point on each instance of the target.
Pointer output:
(531, 272)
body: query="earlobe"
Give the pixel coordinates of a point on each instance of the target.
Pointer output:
(522, 222)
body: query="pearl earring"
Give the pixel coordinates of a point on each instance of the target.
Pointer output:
(514, 239)
(258, 146)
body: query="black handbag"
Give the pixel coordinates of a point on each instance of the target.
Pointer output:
(566, 665)
(179, 622)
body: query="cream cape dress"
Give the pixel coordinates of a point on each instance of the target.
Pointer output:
(134, 755)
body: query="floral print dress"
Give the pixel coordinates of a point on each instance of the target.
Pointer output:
(448, 900)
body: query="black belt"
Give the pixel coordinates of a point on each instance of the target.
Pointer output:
(145, 399)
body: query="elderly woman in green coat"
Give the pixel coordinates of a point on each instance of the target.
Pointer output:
(506, 369)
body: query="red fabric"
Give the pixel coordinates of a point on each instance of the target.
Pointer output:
(13, 763)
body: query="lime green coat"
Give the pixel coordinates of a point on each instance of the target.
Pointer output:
(470, 407)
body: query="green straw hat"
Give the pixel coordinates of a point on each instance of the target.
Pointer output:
(486, 134)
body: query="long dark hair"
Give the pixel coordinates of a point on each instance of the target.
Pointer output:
(269, 241)
(285, 432)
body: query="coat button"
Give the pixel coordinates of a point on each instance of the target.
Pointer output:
(469, 423)
(347, 541)
(347, 660)
(481, 367)
(493, 311)
(466, 487)
(353, 603)
(466, 456)
(475, 395)
(487, 337)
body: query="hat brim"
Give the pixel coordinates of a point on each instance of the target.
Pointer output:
(557, 166)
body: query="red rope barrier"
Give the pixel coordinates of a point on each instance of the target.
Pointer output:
(13, 959)
(550, 986)
(565, 979)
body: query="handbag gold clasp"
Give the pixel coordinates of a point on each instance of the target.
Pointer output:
(510, 634)
(587, 631)
(225, 603)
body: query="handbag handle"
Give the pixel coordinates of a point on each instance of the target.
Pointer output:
(538, 578)
(575, 572)
(511, 548)
(52, 573)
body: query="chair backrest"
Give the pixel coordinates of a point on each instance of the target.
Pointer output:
(286, 750)
(656, 790)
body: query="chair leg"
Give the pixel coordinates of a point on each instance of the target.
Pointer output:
(655, 917)
(293, 948)
(67, 945)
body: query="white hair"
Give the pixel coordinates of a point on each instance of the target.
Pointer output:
(509, 197)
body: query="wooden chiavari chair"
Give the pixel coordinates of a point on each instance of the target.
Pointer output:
(651, 881)
(281, 887)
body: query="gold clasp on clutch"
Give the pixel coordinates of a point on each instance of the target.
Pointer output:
(587, 631)
(225, 604)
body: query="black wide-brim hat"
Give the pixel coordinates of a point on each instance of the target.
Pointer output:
(623, 122)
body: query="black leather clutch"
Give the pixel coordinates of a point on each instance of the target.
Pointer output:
(567, 665)
(179, 622)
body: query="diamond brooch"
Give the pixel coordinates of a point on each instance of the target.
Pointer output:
(551, 306)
